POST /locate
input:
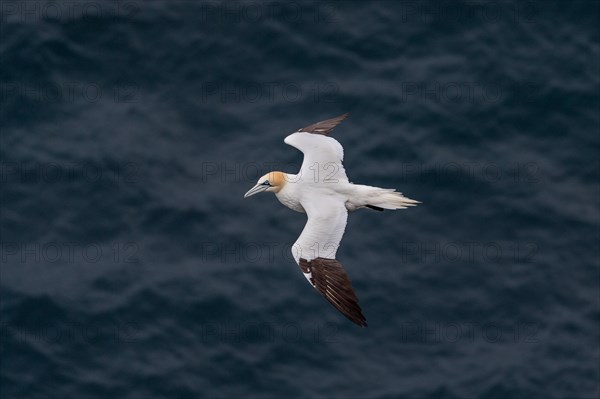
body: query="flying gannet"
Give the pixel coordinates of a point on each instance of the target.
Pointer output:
(321, 190)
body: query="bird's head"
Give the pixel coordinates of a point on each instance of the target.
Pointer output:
(272, 181)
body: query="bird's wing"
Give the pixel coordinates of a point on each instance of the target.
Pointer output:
(324, 127)
(315, 251)
(323, 157)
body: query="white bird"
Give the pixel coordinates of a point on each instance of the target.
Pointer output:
(321, 190)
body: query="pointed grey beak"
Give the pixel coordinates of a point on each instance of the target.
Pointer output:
(259, 188)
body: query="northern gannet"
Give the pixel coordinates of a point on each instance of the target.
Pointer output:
(321, 190)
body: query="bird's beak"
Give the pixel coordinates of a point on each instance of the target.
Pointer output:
(259, 188)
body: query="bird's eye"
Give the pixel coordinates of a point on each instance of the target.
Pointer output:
(266, 183)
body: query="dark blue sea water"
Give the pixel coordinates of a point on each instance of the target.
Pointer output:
(132, 268)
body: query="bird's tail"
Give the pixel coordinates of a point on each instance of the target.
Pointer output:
(385, 198)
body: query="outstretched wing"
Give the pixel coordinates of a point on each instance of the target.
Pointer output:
(315, 251)
(330, 279)
(327, 216)
(324, 127)
(323, 156)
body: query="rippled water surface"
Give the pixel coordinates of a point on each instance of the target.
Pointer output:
(133, 268)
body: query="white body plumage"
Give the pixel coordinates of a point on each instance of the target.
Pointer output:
(322, 190)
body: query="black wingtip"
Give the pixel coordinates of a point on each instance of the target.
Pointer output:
(362, 324)
(330, 279)
(324, 127)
